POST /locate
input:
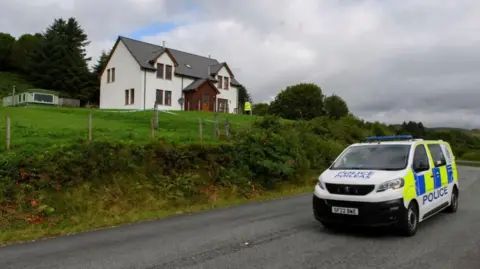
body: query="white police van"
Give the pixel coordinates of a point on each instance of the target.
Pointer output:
(388, 180)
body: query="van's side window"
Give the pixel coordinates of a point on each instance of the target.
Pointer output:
(437, 155)
(420, 159)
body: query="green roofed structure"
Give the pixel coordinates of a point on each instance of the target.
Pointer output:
(38, 97)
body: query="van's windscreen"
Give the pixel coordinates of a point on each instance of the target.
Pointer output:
(374, 157)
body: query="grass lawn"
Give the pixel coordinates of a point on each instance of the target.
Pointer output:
(40, 127)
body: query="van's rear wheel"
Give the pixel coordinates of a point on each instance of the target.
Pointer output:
(409, 223)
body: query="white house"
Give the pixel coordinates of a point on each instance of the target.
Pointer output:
(139, 74)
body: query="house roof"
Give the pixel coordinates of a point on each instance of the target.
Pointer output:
(188, 64)
(197, 83)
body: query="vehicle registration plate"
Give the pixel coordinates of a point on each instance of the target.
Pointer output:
(344, 210)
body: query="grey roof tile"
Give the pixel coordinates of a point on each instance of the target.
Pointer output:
(195, 84)
(198, 66)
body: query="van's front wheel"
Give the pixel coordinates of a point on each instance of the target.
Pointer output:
(409, 223)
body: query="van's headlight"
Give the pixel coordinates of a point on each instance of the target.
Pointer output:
(391, 184)
(320, 183)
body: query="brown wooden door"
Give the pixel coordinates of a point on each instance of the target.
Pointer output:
(205, 102)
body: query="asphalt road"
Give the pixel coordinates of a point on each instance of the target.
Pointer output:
(276, 234)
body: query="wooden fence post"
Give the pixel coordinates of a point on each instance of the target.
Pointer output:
(155, 123)
(7, 145)
(152, 127)
(227, 129)
(90, 127)
(200, 130)
(215, 128)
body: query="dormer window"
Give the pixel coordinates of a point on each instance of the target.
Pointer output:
(220, 82)
(160, 68)
(226, 80)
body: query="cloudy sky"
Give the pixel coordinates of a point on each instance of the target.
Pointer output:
(390, 60)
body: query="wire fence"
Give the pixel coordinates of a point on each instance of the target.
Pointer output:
(29, 128)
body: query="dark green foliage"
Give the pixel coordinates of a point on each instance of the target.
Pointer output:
(55, 60)
(60, 62)
(260, 109)
(6, 44)
(303, 101)
(24, 46)
(336, 107)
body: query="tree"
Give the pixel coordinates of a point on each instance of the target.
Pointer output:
(336, 107)
(101, 62)
(94, 96)
(301, 101)
(260, 109)
(243, 96)
(60, 62)
(25, 45)
(6, 44)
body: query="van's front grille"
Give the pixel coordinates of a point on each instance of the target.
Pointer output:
(347, 189)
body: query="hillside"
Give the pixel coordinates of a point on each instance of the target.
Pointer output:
(9, 79)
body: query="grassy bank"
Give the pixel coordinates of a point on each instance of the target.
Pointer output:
(70, 186)
(117, 204)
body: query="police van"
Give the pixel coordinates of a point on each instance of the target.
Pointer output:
(388, 180)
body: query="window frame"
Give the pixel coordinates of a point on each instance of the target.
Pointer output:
(168, 101)
(160, 70)
(426, 155)
(226, 83)
(220, 82)
(443, 158)
(168, 72)
(161, 96)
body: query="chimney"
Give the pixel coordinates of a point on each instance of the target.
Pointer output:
(163, 42)
(209, 56)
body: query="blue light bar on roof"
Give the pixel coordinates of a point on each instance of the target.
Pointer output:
(389, 138)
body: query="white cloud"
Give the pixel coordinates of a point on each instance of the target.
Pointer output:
(390, 60)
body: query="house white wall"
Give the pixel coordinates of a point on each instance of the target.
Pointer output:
(127, 76)
(175, 85)
(231, 94)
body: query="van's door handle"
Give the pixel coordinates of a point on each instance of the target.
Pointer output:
(431, 176)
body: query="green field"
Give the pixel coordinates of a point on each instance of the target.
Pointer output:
(34, 128)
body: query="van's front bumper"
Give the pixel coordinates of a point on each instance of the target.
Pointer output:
(369, 213)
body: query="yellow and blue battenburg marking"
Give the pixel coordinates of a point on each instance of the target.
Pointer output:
(437, 179)
(442, 176)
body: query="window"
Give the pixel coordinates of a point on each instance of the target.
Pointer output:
(108, 75)
(420, 160)
(220, 82)
(225, 86)
(43, 98)
(159, 97)
(159, 70)
(222, 105)
(132, 96)
(113, 74)
(126, 97)
(168, 98)
(437, 155)
(374, 157)
(168, 72)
